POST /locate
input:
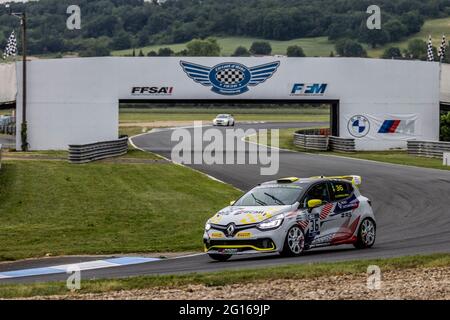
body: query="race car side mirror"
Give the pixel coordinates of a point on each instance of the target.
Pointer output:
(314, 203)
(232, 202)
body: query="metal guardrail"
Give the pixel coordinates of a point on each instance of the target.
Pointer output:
(320, 140)
(430, 149)
(8, 129)
(341, 144)
(97, 151)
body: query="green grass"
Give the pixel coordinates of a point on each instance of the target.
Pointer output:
(319, 46)
(294, 271)
(395, 157)
(435, 27)
(313, 47)
(63, 209)
(131, 131)
(54, 154)
(5, 112)
(129, 115)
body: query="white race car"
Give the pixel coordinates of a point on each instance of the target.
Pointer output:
(224, 120)
(291, 215)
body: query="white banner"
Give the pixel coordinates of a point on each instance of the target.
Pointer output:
(8, 84)
(384, 126)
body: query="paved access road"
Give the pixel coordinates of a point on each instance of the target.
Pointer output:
(412, 206)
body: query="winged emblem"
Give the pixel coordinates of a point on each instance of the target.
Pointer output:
(229, 78)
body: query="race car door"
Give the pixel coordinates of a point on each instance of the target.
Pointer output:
(345, 203)
(318, 231)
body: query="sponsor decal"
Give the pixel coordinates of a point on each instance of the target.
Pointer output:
(217, 235)
(249, 212)
(398, 126)
(152, 91)
(358, 126)
(244, 235)
(346, 205)
(309, 89)
(229, 78)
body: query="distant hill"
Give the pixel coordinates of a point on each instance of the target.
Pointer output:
(318, 46)
(112, 25)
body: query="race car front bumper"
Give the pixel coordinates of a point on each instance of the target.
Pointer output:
(246, 241)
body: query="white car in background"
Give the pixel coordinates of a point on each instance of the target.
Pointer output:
(224, 120)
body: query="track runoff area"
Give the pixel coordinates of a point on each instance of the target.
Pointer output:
(398, 204)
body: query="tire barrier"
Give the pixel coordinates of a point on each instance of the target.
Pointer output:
(97, 151)
(341, 144)
(429, 149)
(311, 142)
(320, 140)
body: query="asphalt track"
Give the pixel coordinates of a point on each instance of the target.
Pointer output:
(412, 206)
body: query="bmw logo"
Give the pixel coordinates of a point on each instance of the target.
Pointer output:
(358, 126)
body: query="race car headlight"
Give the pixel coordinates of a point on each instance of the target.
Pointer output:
(271, 223)
(207, 227)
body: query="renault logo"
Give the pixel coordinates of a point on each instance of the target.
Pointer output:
(230, 229)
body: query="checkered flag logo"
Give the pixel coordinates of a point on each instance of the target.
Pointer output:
(442, 49)
(230, 76)
(11, 46)
(430, 54)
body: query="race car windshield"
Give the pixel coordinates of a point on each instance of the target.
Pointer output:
(270, 196)
(222, 116)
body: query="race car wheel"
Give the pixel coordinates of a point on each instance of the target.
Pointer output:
(294, 243)
(366, 234)
(220, 257)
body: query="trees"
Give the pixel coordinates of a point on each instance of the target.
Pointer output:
(395, 29)
(392, 53)
(373, 37)
(165, 52)
(295, 51)
(350, 48)
(95, 47)
(261, 48)
(445, 127)
(203, 48)
(121, 41)
(140, 23)
(241, 52)
(417, 49)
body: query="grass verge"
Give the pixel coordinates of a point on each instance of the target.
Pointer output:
(53, 207)
(130, 115)
(394, 157)
(297, 271)
(318, 46)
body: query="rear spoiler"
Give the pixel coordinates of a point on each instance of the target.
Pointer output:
(356, 180)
